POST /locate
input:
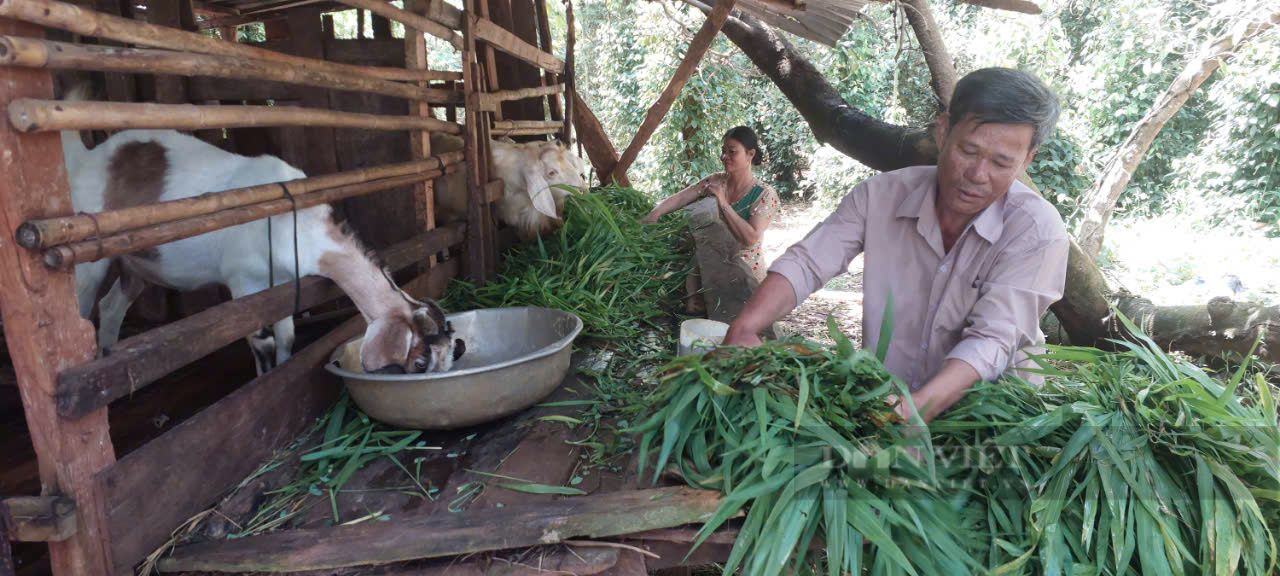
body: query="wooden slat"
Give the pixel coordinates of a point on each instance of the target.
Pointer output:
(527, 131)
(527, 124)
(545, 43)
(697, 49)
(513, 45)
(205, 89)
(490, 101)
(477, 204)
(435, 536)
(570, 76)
(31, 115)
(53, 14)
(39, 518)
(137, 362)
(68, 56)
(415, 57)
(46, 332)
(524, 24)
(409, 19)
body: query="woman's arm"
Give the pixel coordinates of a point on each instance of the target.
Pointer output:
(677, 201)
(747, 232)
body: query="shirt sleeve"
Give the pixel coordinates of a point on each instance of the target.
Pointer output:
(827, 250)
(1022, 284)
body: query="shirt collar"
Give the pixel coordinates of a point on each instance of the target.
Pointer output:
(920, 204)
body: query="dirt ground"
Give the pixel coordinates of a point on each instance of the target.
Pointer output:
(841, 297)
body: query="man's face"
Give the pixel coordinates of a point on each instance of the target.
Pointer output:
(977, 162)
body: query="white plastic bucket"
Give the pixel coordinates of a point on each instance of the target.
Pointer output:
(700, 335)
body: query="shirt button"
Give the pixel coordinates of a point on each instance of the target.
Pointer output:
(942, 268)
(925, 347)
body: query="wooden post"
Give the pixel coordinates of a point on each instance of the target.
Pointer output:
(569, 79)
(490, 80)
(120, 87)
(381, 27)
(477, 207)
(593, 139)
(697, 49)
(415, 57)
(167, 89)
(40, 305)
(544, 42)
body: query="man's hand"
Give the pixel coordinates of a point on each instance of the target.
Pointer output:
(740, 338)
(650, 218)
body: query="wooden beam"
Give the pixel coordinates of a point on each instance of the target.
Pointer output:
(39, 518)
(67, 56)
(238, 20)
(524, 24)
(527, 124)
(40, 305)
(63, 16)
(137, 362)
(49, 232)
(697, 49)
(436, 536)
(66, 255)
(570, 76)
(30, 115)
(411, 20)
(592, 137)
(478, 239)
(490, 101)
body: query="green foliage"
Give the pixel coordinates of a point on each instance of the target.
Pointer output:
(1058, 172)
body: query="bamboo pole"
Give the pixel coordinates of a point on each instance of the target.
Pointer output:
(490, 101)
(35, 53)
(28, 115)
(67, 255)
(409, 19)
(527, 124)
(526, 131)
(45, 233)
(64, 16)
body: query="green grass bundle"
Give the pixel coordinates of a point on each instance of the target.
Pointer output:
(1128, 462)
(1125, 463)
(602, 264)
(800, 434)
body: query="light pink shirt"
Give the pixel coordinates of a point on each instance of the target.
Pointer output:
(981, 302)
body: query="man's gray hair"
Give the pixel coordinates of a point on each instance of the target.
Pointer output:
(1006, 96)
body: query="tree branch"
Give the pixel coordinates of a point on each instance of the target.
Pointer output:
(942, 73)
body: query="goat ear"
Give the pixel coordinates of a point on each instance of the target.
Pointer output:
(538, 189)
(430, 319)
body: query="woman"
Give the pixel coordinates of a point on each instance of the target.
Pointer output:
(746, 204)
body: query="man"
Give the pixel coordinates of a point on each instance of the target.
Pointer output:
(971, 257)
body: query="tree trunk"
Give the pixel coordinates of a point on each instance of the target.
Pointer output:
(1085, 310)
(1101, 199)
(942, 74)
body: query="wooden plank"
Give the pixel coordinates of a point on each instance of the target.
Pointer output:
(169, 89)
(201, 458)
(490, 78)
(570, 77)
(136, 362)
(381, 26)
(513, 45)
(527, 124)
(319, 153)
(120, 87)
(415, 57)
(595, 516)
(39, 518)
(524, 23)
(697, 49)
(229, 89)
(592, 137)
(40, 305)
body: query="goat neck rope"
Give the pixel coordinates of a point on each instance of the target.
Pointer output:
(271, 262)
(743, 206)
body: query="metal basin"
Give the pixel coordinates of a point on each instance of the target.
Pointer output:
(514, 358)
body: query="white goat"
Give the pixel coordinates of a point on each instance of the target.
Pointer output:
(143, 166)
(531, 201)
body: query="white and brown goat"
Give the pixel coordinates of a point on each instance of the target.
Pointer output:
(143, 166)
(531, 172)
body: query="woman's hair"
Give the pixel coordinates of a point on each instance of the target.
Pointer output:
(747, 138)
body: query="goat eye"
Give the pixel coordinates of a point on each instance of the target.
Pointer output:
(420, 364)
